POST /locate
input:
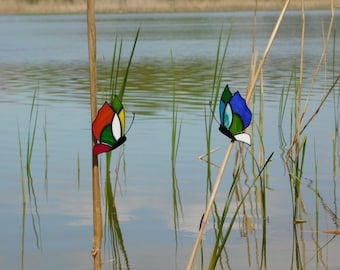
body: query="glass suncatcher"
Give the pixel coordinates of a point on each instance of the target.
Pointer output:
(235, 116)
(109, 126)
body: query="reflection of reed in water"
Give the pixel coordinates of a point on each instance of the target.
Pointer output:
(176, 195)
(112, 231)
(33, 203)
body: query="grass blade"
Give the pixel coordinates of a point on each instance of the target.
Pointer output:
(175, 139)
(123, 86)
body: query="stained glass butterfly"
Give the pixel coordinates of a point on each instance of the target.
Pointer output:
(109, 126)
(235, 116)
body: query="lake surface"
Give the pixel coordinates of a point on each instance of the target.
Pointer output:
(175, 50)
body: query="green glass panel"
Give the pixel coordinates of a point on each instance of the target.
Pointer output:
(106, 136)
(226, 95)
(116, 105)
(236, 125)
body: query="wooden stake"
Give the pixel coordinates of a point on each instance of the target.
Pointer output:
(209, 206)
(97, 216)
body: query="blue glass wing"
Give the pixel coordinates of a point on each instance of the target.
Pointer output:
(241, 112)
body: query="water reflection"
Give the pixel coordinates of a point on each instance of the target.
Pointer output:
(113, 236)
(50, 53)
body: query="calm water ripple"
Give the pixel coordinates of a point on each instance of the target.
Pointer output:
(176, 51)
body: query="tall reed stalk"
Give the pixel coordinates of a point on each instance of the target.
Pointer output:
(97, 214)
(226, 158)
(116, 68)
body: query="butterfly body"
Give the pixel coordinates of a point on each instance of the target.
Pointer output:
(109, 126)
(102, 147)
(235, 116)
(227, 132)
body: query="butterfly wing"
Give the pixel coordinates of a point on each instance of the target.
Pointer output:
(118, 124)
(243, 137)
(241, 113)
(102, 122)
(235, 116)
(226, 114)
(108, 127)
(225, 110)
(101, 148)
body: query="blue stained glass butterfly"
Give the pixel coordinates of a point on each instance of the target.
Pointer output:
(235, 116)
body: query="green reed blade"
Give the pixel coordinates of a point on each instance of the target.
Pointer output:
(316, 204)
(23, 195)
(335, 174)
(112, 225)
(78, 170)
(31, 133)
(30, 141)
(115, 68)
(221, 241)
(321, 104)
(217, 248)
(334, 54)
(114, 90)
(209, 117)
(33, 120)
(284, 98)
(113, 80)
(123, 86)
(336, 123)
(113, 231)
(46, 155)
(175, 139)
(23, 230)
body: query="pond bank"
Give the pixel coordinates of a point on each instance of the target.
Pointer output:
(132, 6)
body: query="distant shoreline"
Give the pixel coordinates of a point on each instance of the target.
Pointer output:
(149, 6)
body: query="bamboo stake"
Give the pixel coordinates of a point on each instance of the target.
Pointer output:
(220, 174)
(97, 216)
(265, 54)
(209, 206)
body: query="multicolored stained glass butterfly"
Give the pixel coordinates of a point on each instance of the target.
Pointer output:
(109, 126)
(235, 116)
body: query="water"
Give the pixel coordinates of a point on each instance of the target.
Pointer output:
(49, 53)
